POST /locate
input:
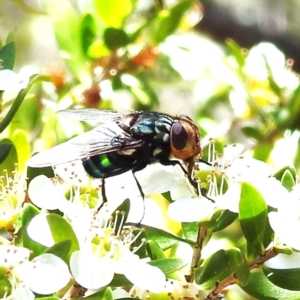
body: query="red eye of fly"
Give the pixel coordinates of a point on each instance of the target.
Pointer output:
(179, 136)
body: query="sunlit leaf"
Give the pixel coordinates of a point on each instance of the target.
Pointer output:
(154, 251)
(168, 20)
(278, 175)
(112, 13)
(103, 294)
(11, 156)
(288, 180)
(163, 238)
(168, 265)
(62, 231)
(61, 249)
(115, 38)
(236, 51)
(17, 103)
(253, 216)
(88, 32)
(21, 142)
(29, 213)
(7, 55)
(261, 288)
(284, 278)
(214, 268)
(66, 24)
(239, 265)
(5, 148)
(224, 220)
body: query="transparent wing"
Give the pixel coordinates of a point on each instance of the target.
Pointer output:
(96, 115)
(104, 138)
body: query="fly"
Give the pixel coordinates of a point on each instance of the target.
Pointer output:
(126, 141)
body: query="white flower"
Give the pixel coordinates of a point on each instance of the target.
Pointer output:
(267, 52)
(172, 290)
(78, 209)
(284, 261)
(20, 277)
(286, 221)
(12, 196)
(106, 251)
(191, 209)
(11, 81)
(234, 169)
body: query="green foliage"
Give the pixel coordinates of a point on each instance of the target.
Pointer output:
(117, 54)
(7, 55)
(253, 217)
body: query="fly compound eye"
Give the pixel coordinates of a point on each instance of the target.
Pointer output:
(185, 139)
(179, 136)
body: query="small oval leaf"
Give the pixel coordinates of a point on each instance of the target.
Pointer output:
(253, 216)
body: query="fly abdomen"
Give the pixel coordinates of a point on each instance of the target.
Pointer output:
(108, 164)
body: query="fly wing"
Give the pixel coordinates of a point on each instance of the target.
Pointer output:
(94, 115)
(102, 139)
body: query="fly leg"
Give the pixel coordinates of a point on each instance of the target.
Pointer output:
(103, 194)
(194, 183)
(167, 162)
(137, 168)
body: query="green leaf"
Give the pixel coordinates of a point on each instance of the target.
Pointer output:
(5, 148)
(284, 278)
(263, 151)
(261, 288)
(278, 175)
(224, 220)
(168, 20)
(120, 280)
(36, 248)
(17, 103)
(239, 265)
(66, 24)
(21, 142)
(190, 231)
(7, 55)
(34, 172)
(113, 12)
(215, 268)
(48, 298)
(168, 265)
(103, 294)
(88, 31)
(62, 231)
(236, 51)
(288, 180)
(253, 132)
(11, 158)
(115, 38)
(291, 116)
(164, 239)
(154, 251)
(253, 216)
(61, 249)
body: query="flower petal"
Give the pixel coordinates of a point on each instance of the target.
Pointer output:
(91, 271)
(38, 229)
(190, 209)
(283, 261)
(48, 274)
(11, 81)
(44, 194)
(285, 228)
(146, 276)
